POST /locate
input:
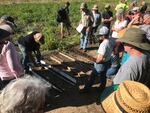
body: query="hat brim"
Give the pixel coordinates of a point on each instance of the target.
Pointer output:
(4, 34)
(109, 104)
(143, 46)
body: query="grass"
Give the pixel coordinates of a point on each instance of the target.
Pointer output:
(41, 16)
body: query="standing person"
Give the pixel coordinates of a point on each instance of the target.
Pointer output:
(10, 67)
(107, 16)
(96, 22)
(102, 62)
(143, 7)
(136, 68)
(86, 21)
(63, 14)
(29, 44)
(122, 5)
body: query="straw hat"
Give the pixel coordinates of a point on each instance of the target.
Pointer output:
(130, 97)
(136, 37)
(95, 7)
(83, 6)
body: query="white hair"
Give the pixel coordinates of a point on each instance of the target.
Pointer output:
(23, 95)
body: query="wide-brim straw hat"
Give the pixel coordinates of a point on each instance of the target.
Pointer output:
(95, 7)
(136, 37)
(130, 97)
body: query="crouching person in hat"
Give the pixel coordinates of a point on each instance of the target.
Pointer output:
(130, 97)
(10, 67)
(28, 45)
(102, 61)
(23, 95)
(136, 68)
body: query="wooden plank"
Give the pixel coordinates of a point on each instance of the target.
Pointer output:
(73, 80)
(54, 58)
(72, 59)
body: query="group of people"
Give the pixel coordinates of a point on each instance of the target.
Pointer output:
(129, 35)
(125, 48)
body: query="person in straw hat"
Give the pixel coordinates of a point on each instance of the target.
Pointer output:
(136, 68)
(86, 21)
(96, 22)
(130, 97)
(10, 67)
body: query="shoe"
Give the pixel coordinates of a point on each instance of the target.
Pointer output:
(84, 50)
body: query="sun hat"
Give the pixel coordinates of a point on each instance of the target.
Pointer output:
(83, 6)
(9, 20)
(136, 37)
(130, 97)
(107, 6)
(95, 7)
(7, 28)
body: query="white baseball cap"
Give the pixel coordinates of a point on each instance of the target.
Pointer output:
(103, 30)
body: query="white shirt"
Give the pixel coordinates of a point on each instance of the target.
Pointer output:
(106, 48)
(118, 25)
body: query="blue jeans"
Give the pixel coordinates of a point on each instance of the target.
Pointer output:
(84, 39)
(112, 71)
(98, 70)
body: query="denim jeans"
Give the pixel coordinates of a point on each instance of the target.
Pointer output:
(98, 70)
(84, 39)
(112, 71)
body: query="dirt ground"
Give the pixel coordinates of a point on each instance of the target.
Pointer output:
(73, 100)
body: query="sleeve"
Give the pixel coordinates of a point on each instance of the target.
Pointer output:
(124, 24)
(123, 74)
(13, 61)
(102, 49)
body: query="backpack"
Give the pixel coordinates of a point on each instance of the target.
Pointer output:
(61, 15)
